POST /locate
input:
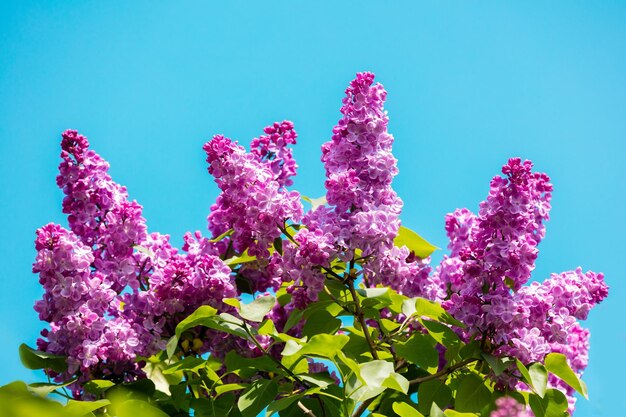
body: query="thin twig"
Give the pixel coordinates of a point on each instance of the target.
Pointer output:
(336, 300)
(276, 361)
(305, 410)
(359, 315)
(443, 372)
(362, 407)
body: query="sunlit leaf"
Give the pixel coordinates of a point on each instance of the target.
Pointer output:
(417, 244)
(557, 364)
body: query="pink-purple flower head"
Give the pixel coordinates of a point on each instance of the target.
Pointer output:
(253, 201)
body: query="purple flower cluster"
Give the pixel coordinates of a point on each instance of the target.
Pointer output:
(272, 149)
(509, 407)
(365, 210)
(358, 160)
(113, 291)
(99, 212)
(491, 257)
(76, 303)
(253, 202)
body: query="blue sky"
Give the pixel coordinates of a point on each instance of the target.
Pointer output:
(470, 84)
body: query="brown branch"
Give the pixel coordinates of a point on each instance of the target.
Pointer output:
(359, 315)
(305, 410)
(443, 372)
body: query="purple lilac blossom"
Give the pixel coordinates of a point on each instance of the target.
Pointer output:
(360, 168)
(106, 302)
(253, 201)
(509, 407)
(492, 256)
(76, 301)
(99, 211)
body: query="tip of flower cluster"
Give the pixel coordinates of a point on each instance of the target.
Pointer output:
(362, 94)
(363, 79)
(515, 168)
(74, 143)
(285, 129)
(218, 146)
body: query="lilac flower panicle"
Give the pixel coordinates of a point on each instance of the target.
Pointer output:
(253, 201)
(99, 211)
(358, 160)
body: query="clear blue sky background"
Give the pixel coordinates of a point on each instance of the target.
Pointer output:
(470, 84)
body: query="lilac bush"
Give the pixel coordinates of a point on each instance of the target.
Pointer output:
(343, 282)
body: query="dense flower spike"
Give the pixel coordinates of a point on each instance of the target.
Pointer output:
(75, 303)
(358, 160)
(253, 202)
(99, 211)
(114, 293)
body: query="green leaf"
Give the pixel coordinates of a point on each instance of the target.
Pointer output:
(233, 302)
(415, 243)
(144, 250)
(472, 394)
(291, 347)
(498, 365)
(257, 309)
(222, 389)
(433, 391)
(43, 389)
(441, 333)
(162, 382)
(454, 413)
(405, 410)
(324, 345)
(241, 259)
(397, 382)
(433, 310)
(318, 380)
(267, 328)
(222, 236)
(435, 411)
(135, 408)
(556, 363)
(525, 374)
(171, 346)
(321, 322)
(258, 396)
(315, 202)
(408, 307)
(35, 359)
(293, 319)
(375, 372)
(553, 404)
(80, 408)
(190, 363)
(222, 406)
(98, 386)
(197, 318)
(539, 376)
(420, 350)
(282, 404)
(228, 323)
